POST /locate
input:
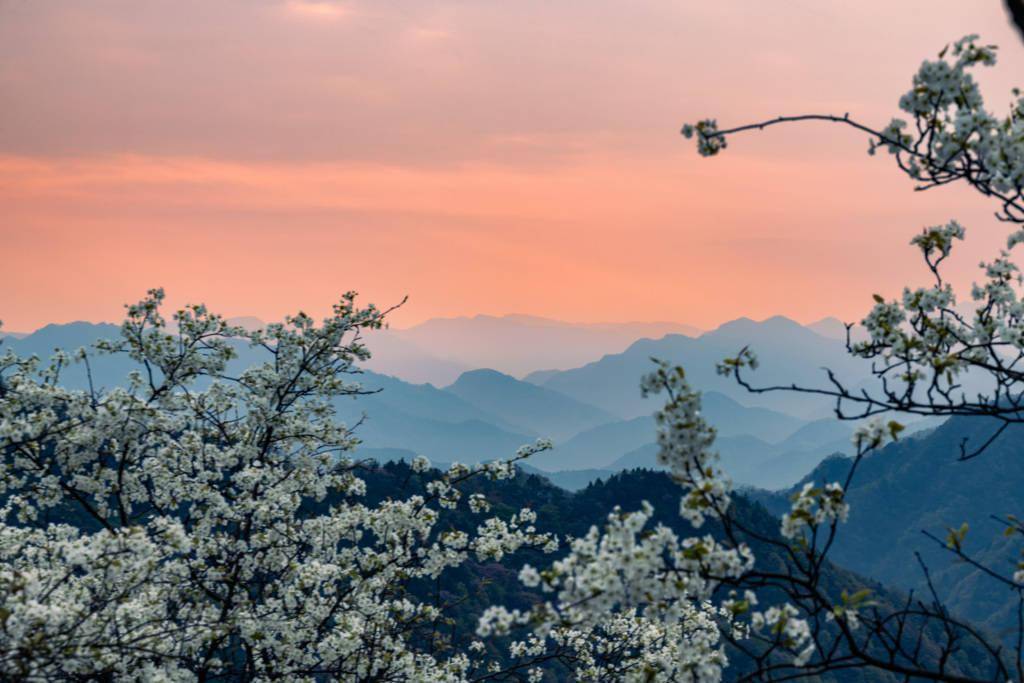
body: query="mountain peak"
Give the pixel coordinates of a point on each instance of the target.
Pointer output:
(74, 325)
(780, 320)
(483, 376)
(69, 335)
(777, 324)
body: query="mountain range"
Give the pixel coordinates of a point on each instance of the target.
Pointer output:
(788, 353)
(593, 413)
(520, 344)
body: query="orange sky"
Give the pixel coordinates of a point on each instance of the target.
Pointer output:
(482, 157)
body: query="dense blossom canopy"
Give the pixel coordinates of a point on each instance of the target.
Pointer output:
(164, 530)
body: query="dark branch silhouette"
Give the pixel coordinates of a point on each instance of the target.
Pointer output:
(1016, 10)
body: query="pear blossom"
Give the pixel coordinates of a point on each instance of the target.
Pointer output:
(193, 553)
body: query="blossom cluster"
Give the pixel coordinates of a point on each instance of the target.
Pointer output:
(788, 629)
(709, 142)
(814, 506)
(929, 353)
(663, 582)
(933, 353)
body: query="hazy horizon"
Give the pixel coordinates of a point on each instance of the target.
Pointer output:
(239, 318)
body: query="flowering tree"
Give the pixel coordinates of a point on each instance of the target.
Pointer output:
(163, 531)
(923, 348)
(928, 356)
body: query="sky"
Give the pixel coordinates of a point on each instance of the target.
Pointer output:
(265, 156)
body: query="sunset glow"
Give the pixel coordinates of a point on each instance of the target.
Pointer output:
(479, 157)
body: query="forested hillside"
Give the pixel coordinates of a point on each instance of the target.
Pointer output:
(920, 486)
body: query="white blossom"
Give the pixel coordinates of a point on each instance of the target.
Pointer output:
(195, 544)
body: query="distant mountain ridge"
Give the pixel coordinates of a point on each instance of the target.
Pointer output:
(788, 353)
(752, 461)
(485, 414)
(438, 350)
(538, 410)
(519, 344)
(748, 439)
